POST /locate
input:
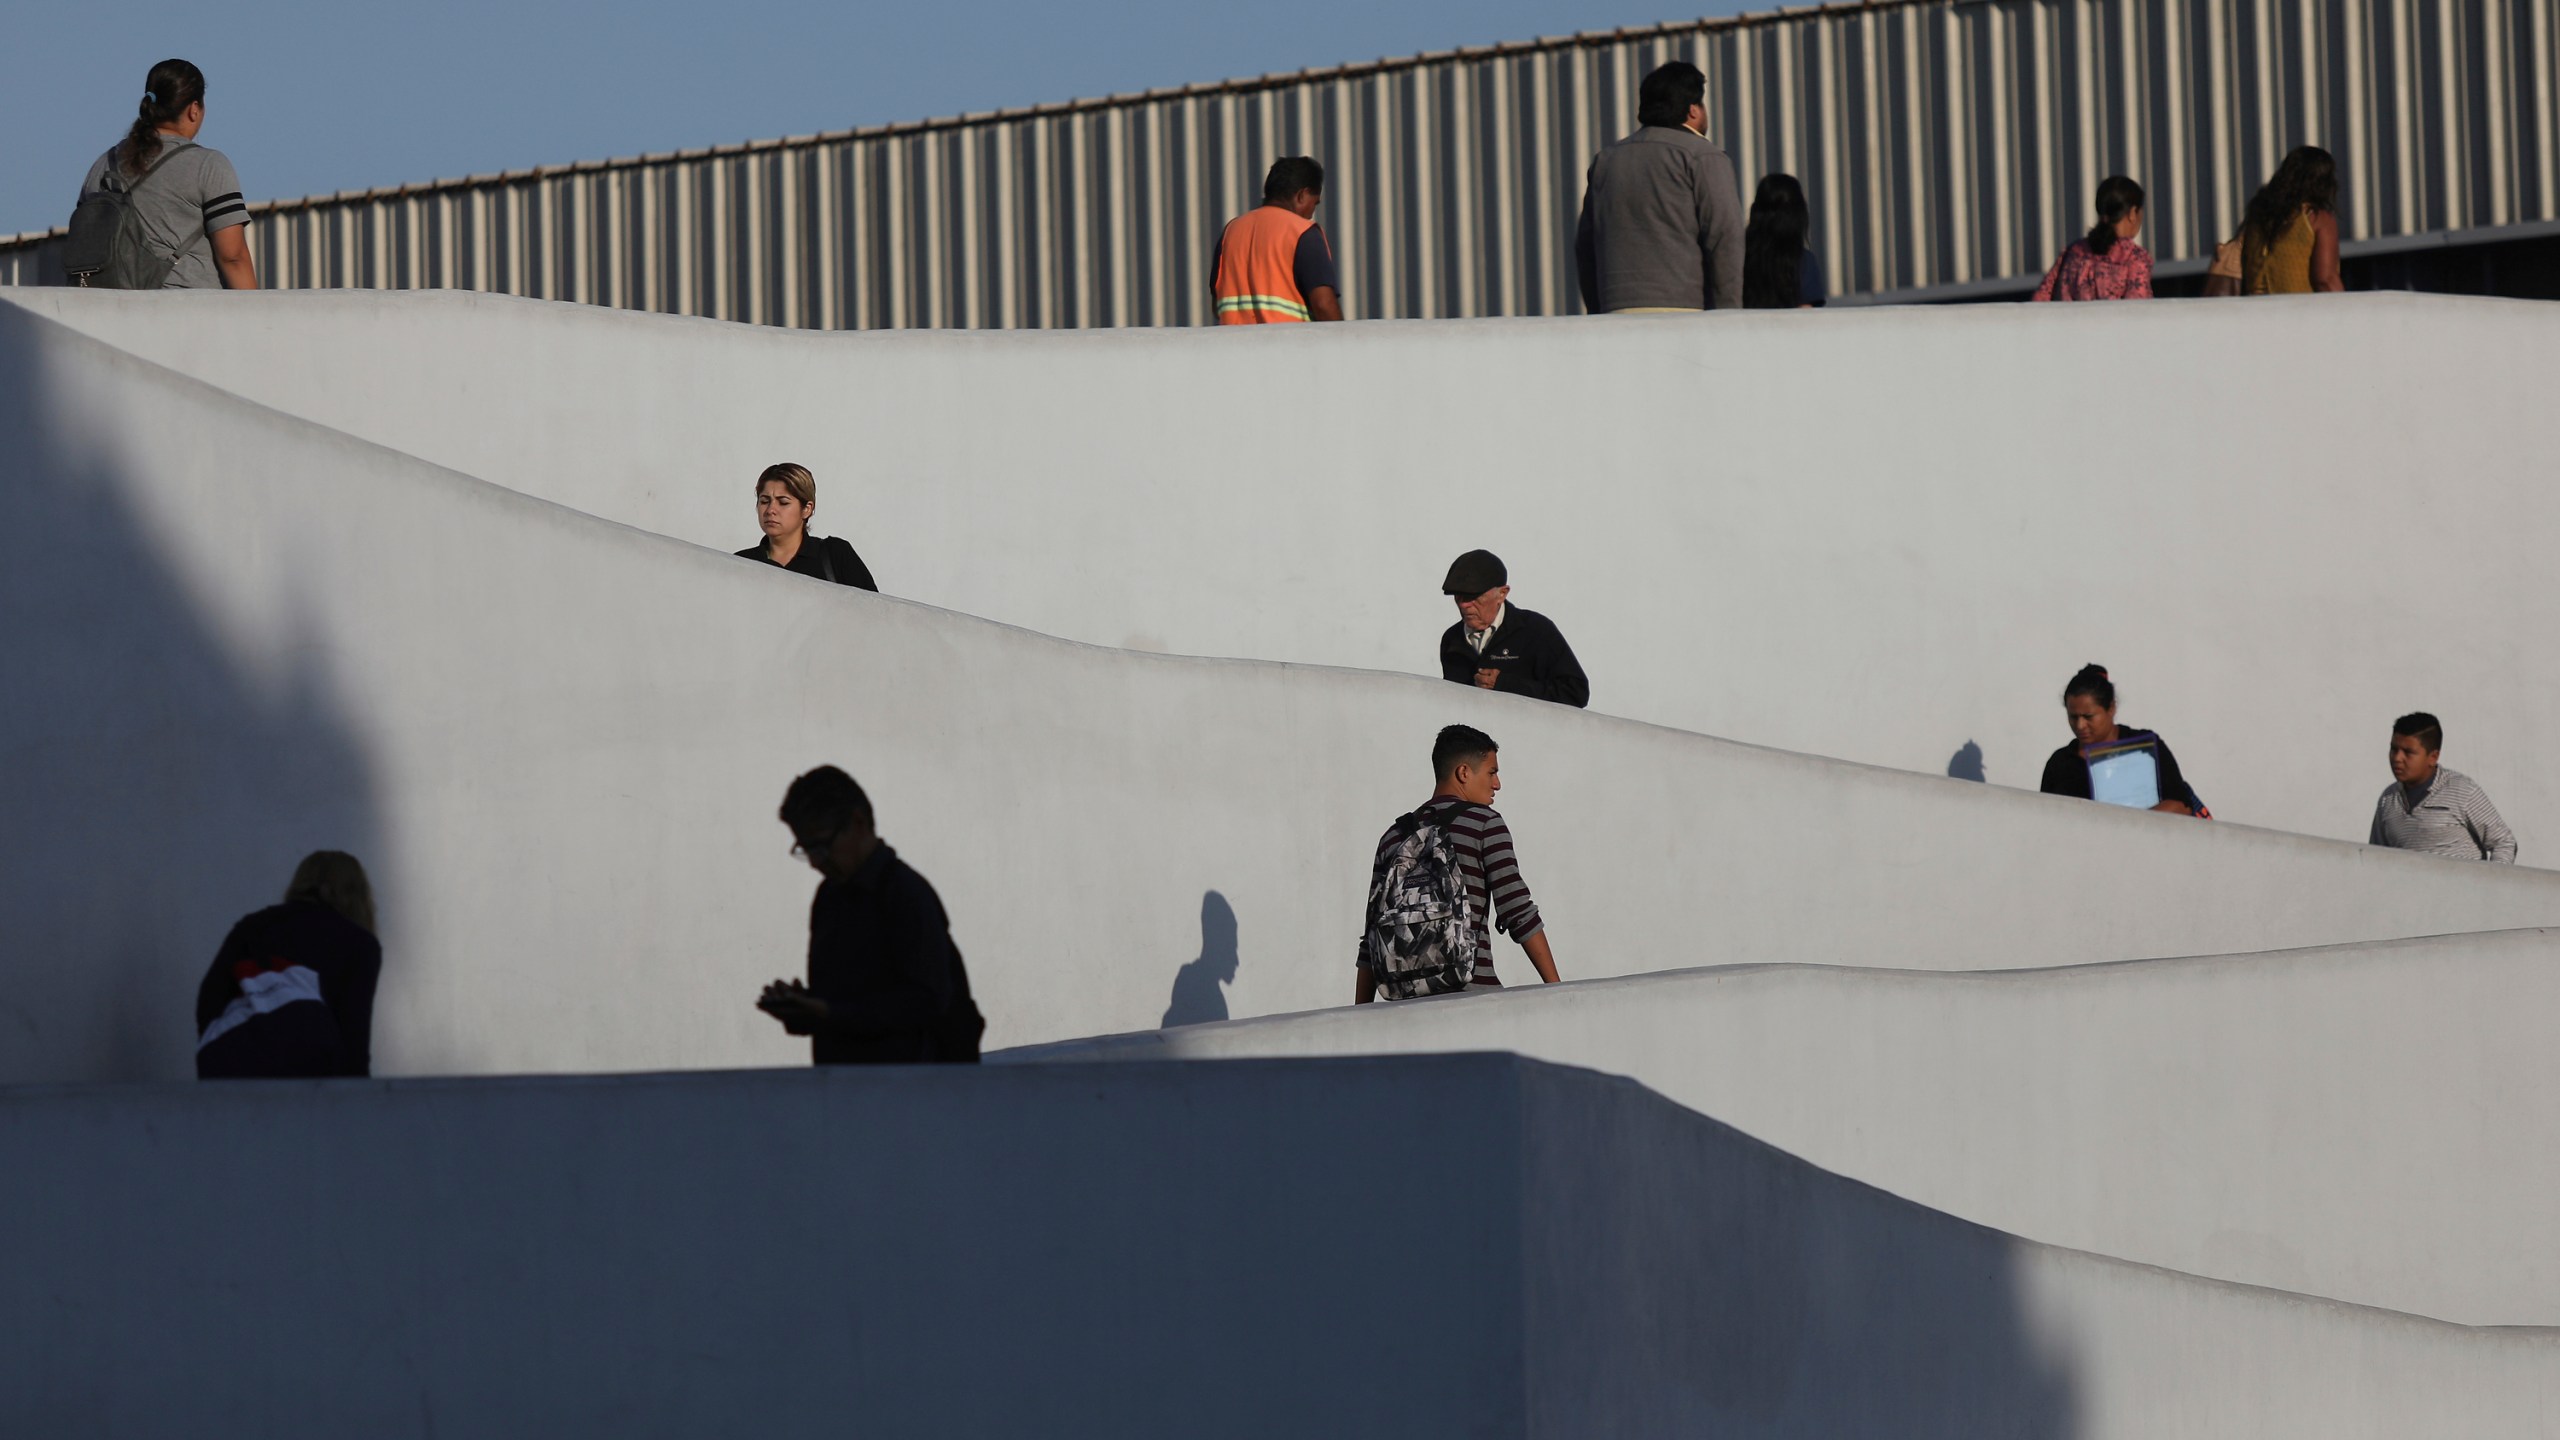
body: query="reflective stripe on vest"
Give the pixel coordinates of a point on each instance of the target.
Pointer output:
(1257, 280)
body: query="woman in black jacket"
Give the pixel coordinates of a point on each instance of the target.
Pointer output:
(786, 498)
(291, 992)
(2105, 761)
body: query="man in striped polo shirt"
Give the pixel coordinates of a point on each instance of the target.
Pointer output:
(1469, 769)
(2432, 810)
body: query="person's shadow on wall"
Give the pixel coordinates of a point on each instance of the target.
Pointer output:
(1966, 763)
(1199, 992)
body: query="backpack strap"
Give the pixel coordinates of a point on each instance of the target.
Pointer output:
(1419, 818)
(826, 559)
(167, 154)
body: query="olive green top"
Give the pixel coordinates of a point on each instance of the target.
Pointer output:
(2283, 268)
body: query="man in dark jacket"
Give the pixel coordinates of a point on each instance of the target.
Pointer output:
(886, 986)
(1662, 217)
(1518, 652)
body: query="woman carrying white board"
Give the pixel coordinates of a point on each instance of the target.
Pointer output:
(2111, 764)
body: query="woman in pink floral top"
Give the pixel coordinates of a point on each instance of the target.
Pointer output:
(2106, 264)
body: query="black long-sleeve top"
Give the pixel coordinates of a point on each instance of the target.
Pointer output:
(1527, 649)
(2066, 771)
(880, 955)
(292, 988)
(831, 558)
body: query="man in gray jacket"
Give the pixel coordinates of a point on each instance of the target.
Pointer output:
(1661, 215)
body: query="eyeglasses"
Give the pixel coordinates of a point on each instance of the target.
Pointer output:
(806, 849)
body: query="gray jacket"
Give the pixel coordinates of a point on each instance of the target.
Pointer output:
(1661, 225)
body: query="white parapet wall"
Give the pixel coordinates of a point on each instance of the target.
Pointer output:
(2370, 1123)
(1452, 1245)
(235, 636)
(1883, 535)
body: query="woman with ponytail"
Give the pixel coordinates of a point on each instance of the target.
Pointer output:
(185, 197)
(2105, 264)
(2113, 763)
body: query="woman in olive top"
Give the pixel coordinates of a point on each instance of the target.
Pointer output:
(2108, 762)
(2289, 241)
(786, 497)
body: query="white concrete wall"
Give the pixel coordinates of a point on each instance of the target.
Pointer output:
(1392, 1247)
(1883, 535)
(2370, 1123)
(234, 637)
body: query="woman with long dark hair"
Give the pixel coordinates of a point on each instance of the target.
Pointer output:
(2289, 242)
(2106, 263)
(185, 197)
(1778, 272)
(2112, 763)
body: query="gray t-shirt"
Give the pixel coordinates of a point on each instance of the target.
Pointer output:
(194, 193)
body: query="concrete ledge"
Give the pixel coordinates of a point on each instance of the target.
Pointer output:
(1393, 1247)
(2370, 1122)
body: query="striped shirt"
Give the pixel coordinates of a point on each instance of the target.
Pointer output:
(1491, 871)
(2449, 817)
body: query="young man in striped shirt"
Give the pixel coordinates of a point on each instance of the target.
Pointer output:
(2433, 810)
(1469, 770)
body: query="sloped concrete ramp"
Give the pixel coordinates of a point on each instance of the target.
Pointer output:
(236, 636)
(2372, 1122)
(1456, 1245)
(1887, 535)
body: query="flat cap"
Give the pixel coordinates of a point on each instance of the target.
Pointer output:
(1474, 573)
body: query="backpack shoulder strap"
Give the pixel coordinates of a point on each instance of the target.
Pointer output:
(167, 154)
(1430, 812)
(827, 559)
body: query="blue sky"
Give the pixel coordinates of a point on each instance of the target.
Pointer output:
(308, 98)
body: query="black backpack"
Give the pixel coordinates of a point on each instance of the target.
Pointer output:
(1421, 938)
(107, 247)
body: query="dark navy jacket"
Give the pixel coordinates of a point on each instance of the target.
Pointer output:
(289, 994)
(880, 955)
(1529, 651)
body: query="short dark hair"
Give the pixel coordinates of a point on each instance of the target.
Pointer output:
(1289, 175)
(2092, 681)
(1666, 95)
(2422, 727)
(1457, 743)
(825, 797)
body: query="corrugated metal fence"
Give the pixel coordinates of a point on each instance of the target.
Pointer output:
(1940, 142)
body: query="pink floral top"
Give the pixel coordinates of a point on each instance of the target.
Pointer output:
(2123, 273)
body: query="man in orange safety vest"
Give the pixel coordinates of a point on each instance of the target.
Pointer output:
(1274, 264)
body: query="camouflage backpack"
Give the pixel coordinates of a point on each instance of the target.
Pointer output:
(1421, 938)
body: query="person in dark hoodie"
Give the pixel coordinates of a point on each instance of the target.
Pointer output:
(1518, 652)
(886, 985)
(290, 994)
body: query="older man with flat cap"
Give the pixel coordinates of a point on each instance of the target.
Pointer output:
(1519, 652)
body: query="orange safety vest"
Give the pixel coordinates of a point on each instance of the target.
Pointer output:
(1257, 280)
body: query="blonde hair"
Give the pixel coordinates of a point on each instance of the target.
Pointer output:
(794, 478)
(333, 880)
